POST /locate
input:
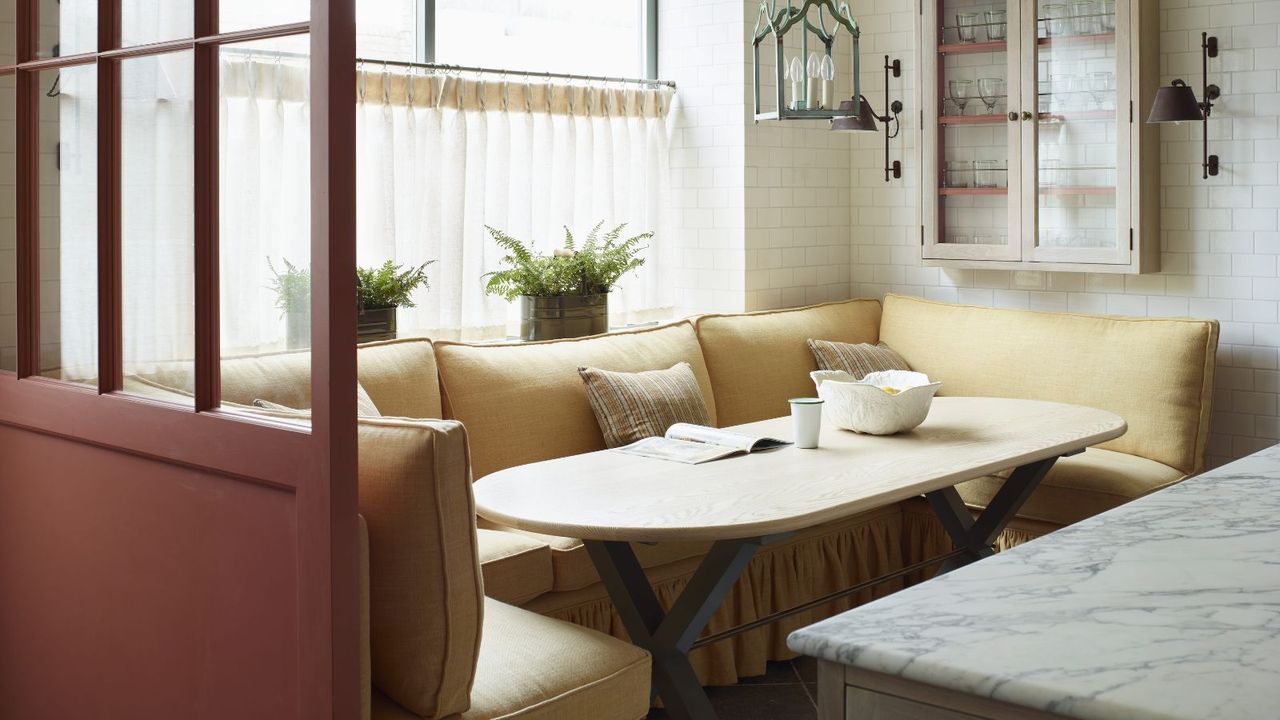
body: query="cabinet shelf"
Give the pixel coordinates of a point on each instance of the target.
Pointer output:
(972, 119)
(946, 191)
(1075, 190)
(973, 47)
(1075, 39)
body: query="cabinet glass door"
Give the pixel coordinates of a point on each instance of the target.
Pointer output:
(971, 118)
(1078, 203)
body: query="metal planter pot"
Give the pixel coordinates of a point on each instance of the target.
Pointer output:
(376, 324)
(563, 316)
(298, 330)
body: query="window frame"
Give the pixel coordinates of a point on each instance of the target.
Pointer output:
(426, 44)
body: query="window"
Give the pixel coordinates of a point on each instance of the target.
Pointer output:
(597, 37)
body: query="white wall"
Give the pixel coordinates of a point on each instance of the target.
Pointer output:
(1220, 237)
(764, 211)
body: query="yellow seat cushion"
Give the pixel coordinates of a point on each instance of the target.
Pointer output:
(572, 568)
(1156, 373)
(516, 568)
(425, 590)
(760, 360)
(525, 402)
(1081, 486)
(535, 668)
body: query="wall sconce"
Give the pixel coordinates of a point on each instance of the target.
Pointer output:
(865, 119)
(1177, 102)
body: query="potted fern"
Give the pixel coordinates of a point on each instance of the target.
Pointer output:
(380, 291)
(565, 294)
(293, 298)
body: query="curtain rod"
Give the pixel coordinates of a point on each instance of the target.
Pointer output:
(469, 69)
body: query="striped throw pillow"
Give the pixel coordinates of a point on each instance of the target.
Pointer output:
(634, 406)
(857, 360)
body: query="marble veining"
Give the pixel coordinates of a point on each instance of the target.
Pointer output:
(1167, 607)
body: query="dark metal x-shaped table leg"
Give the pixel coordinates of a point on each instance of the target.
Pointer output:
(977, 535)
(668, 636)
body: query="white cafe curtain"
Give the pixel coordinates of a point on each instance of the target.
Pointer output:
(439, 157)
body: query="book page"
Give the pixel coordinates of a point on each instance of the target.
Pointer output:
(681, 451)
(726, 438)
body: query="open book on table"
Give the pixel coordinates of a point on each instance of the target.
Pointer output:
(694, 444)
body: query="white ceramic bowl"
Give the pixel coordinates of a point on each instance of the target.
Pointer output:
(864, 406)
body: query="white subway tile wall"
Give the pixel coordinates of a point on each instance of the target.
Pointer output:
(1220, 237)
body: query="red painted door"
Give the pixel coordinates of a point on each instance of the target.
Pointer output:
(162, 560)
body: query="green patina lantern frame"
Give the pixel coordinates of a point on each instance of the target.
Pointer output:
(778, 22)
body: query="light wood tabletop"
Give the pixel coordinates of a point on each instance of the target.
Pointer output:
(609, 495)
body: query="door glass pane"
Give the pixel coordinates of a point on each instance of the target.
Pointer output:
(974, 138)
(236, 15)
(67, 27)
(8, 228)
(1078, 129)
(387, 29)
(8, 32)
(600, 37)
(149, 21)
(69, 224)
(265, 225)
(157, 225)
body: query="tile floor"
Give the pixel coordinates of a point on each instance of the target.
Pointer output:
(785, 692)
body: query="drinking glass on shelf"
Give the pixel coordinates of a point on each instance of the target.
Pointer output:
(1060, 95)
(982, 239)
(1107, 15)
(961, 240)
(1049, 172)
(1101, 85)
(957, 173)
(967, 27)
(961, 91)
(991, 90)
(1084, 15)
(1055, 20)
(997, 24)
(986, 173)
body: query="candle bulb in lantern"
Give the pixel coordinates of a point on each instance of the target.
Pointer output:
(812, 68)
(828, 80)
(796, 74)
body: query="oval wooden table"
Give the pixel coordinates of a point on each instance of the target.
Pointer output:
(611, 499)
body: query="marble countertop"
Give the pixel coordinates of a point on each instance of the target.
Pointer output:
(1167, 607)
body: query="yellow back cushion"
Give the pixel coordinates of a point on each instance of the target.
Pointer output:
(760, 360)
(1156, 373)
(399, 375)
(524, 402)
(426, 596)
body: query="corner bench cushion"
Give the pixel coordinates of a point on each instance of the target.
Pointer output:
(516, 568)
(759, 360)
(1156, 373)
(525, 402)
(426, 597)
(1081, 486)
(399, 376)
(536, 668)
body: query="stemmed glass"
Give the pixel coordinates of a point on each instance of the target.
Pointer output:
(991, 90)
(960, 93)
(997, 25)
(967, 27)
(1100, 86)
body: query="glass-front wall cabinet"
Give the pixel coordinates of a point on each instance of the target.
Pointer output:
(1032, 135)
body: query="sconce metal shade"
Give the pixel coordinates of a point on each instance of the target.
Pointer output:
(864, 121)
(1176, 103)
